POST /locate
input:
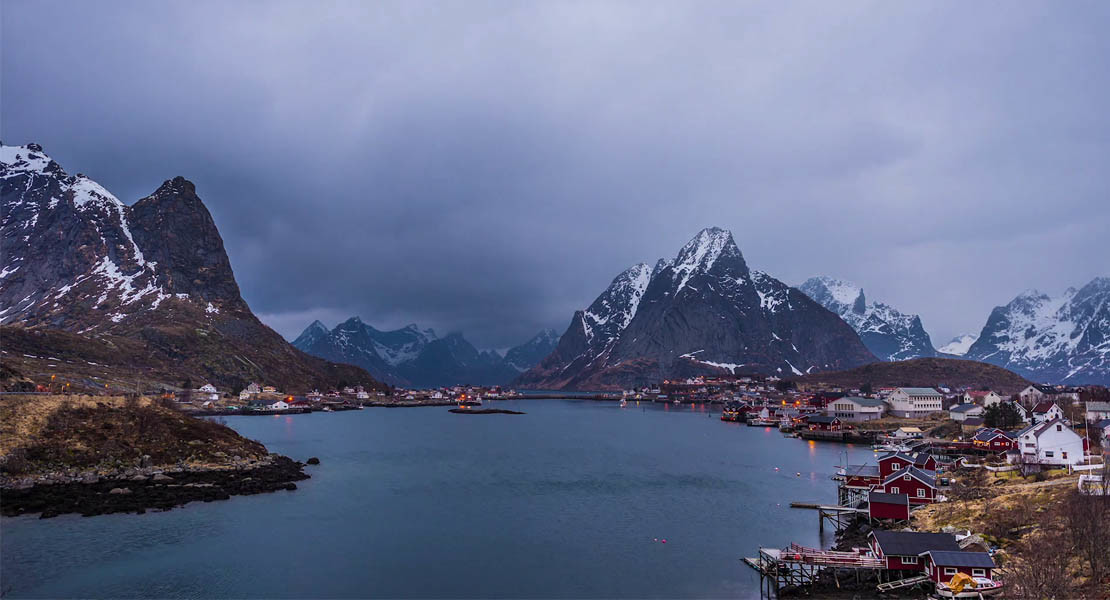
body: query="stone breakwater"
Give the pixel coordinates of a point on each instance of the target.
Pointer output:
(143, 488)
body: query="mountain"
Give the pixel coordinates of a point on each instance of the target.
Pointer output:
(416, 357)
(82, 273)
(702, 312)
(530, 353)
(1061, 339)
(959, 345)
(887, 333)
(924, 372)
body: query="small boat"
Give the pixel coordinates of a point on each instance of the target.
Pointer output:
(969, 587)
(624, 403)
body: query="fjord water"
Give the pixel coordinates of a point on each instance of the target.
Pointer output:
(568, 500)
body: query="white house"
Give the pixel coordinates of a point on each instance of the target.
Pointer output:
(208, 393)
(253, 388)
(244, 395)
(1050, 443)
(1047, 410)
(278, 405)
(1102, 430)
(915, 402)
(1039, 393)
(1097, 411)
(907, 433)
(855, 409)
(981, 397)
(960, 412)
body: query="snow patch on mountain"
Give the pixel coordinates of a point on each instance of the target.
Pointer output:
(959, 345)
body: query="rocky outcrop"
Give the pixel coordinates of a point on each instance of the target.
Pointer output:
(703, 312)
(81, 267)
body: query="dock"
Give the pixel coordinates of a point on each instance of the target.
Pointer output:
(837, 516)
(798, 566)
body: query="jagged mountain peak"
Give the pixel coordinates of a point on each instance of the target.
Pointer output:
(959, 345)
(887, 332)
(702, 312)
(1061, 339)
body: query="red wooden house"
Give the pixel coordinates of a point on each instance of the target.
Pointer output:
(902, 549)
(894, 462)
(993, 439)
(919, 485)
(942, 565)
(822, 423)
(881, 505)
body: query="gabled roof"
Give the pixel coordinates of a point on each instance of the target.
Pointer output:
(886, 498)
(898, 455)
(922, 458)
(1043, 406)
(828, 419)
(1103, 424)
(988, 434)
(919, 391)
(913, 543)
(918, 474)
(869, 402)
(861, 471)
(962, 408)
(948, 558)
(973, 421)
(1099, 406)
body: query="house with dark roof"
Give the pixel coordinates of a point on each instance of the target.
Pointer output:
(881, 505)
(1047, 410)
(1097, 411)
(942, 565)
(990, 438)
(1052, 443)
(893, 462)
(971, 423)
(920, 486)
(861, 476)
(902, 549)
(822, 423)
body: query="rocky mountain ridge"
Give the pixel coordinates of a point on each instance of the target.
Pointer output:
(704, 311)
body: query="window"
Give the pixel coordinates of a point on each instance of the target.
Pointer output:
(1058, 428)
(906, 477)
(909, 560)
(1063, 455)
(920, 493)
(978, 572)
(1048, 453)
(949, 570)
(894, 490)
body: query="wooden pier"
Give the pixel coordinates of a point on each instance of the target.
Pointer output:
(837, 516)
(797, 566)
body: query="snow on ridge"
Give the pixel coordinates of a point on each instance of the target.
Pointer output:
(619, 303)
(700, 253)
(21, 159)
(959, 345)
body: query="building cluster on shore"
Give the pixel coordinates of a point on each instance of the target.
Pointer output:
(1040, 428)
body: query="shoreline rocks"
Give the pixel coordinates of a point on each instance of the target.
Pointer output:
(138, 490)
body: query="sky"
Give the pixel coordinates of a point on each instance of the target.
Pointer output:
(489, 167)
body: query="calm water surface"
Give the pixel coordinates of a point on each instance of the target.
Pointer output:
(565, 501)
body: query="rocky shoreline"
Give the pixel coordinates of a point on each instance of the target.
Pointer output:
(140, 489)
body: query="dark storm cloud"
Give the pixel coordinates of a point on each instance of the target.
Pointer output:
(489, 167)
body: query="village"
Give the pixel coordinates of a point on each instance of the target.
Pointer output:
(945, 457)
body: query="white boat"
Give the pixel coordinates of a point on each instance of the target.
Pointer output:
(624, 403)
(984, 588)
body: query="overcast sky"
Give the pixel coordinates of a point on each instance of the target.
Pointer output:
(490, 167)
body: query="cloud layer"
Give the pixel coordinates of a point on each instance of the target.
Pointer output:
(489, 166)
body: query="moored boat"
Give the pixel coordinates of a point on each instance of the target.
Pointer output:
(964, 586)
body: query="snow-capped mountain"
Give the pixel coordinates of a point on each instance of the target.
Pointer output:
(704, 311)
(530, 353)
(1061, 339)
(77, 259)
(416, 357)
(888, 333)
(959, 345)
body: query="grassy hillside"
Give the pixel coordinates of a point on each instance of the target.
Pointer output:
(923, 372)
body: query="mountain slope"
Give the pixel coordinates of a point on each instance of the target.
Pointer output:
(530, 353)
(1062, 339)
(704, 311)
(416, 357)
(888, 333)
(78, 261)
(959, 345)
(925, 372)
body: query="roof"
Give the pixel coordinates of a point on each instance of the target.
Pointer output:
(977, 393)
(949, 558)
(821, 419)
(913, 543)
(1099, 406)
(962, 408)
(987, 434)
(862, 471)
(973, 421)
(911, 429)
(1103, 424)
(1044, 406)
(899, 455)
(869, 402)
(884, 498)
(914, 472)
(919, 391)
(921, 459)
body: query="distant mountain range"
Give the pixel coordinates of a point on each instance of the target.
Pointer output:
(103, 293)
(414, 357)
(1061, 339)
(703, 311)
(959, 345)
(887, 333)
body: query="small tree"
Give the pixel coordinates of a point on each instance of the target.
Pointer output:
(866, 388)
(1038, 569)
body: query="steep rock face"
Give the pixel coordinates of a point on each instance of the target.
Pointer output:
(530, 353)
(705, 311)
(887, 333)
(1062, 339)
(77, 259)
(414, 357)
